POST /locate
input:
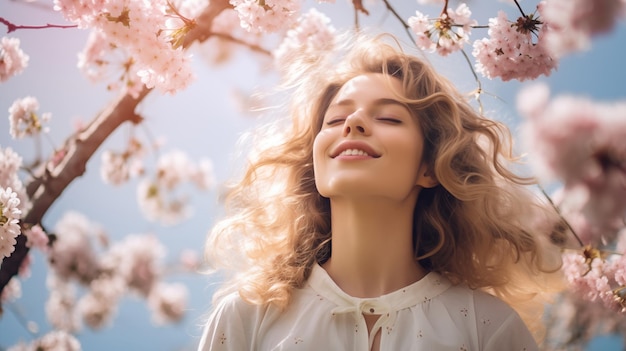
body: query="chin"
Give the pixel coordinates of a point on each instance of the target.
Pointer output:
(348, 188)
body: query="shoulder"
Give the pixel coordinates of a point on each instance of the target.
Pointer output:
(492, 305)
(479, 302)
(235, 324)
(234, 303)
(490, 322)
(499, 326)
(231, 324)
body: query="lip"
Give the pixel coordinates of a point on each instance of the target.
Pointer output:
(354, 144)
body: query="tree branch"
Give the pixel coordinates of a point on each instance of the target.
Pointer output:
(51, 180)
(11, 27)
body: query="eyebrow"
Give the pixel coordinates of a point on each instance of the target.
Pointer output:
(377, 102)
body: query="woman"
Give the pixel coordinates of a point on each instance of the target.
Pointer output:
(381, 217)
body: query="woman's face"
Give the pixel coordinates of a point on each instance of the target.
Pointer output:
(369, 144)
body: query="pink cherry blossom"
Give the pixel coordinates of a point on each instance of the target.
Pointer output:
(268, 16)
(114, 168)
(173, 168)
(571, 202)
(24, 118)
(99, 61)
(139, 38)
(191, 8)
(61, 303)
(203, 175)
(9, 221)
(57, 340)
(588, 279)
(574, 22)
(312, 35)
(72, 255)
(138, 260)
(618, 269)
(12, 291)
(161, 199)
(160, 204)
(36, 237)
(168, 302)
(189, 260)
(445, 34)
(580, 143)
(510, 53)
(119, 167)
(99, 305)
(10, 163)
(12, 59)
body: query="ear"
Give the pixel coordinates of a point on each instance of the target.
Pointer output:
(426, 178)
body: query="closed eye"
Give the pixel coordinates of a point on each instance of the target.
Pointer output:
(390, 120)
(334, 121)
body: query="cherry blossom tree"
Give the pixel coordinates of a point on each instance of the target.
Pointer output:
(136, 50)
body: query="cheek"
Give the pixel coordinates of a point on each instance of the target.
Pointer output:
(320, 146)
(318, 154)
(409, 157)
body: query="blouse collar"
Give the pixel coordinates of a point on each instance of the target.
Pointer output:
(386, 306)
(423, 290)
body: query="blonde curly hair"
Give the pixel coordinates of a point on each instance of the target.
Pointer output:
(480, 226)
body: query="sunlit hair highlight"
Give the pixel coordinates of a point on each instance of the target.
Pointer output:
(480, 226)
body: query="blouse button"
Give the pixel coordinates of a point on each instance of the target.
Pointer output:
(372, 310)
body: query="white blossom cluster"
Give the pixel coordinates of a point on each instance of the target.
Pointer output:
(580, 143)
(510, 52)
(12, 59)
(57, 340)
(147, 34)
(524, 48)
(445, 34)
(160, 198)
(9, 221)
(24, 120)
(119, 167)
(266, 16)
(312, 35)
(13, 201)
(132, 265)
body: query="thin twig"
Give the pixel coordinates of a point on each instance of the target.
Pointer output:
(11, 27)
(473, 27)
(399, 18)
(519, 8)
(558, 211)
(444, 11)
(478, 82)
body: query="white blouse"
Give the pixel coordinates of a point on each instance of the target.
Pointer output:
(430, 314)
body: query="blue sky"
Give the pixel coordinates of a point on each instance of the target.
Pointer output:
(204, 121)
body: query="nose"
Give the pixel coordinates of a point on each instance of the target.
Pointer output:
(356, 123)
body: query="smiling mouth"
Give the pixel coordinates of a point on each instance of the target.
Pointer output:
(355, 152)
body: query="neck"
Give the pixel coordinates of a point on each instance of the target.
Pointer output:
(372, 247)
